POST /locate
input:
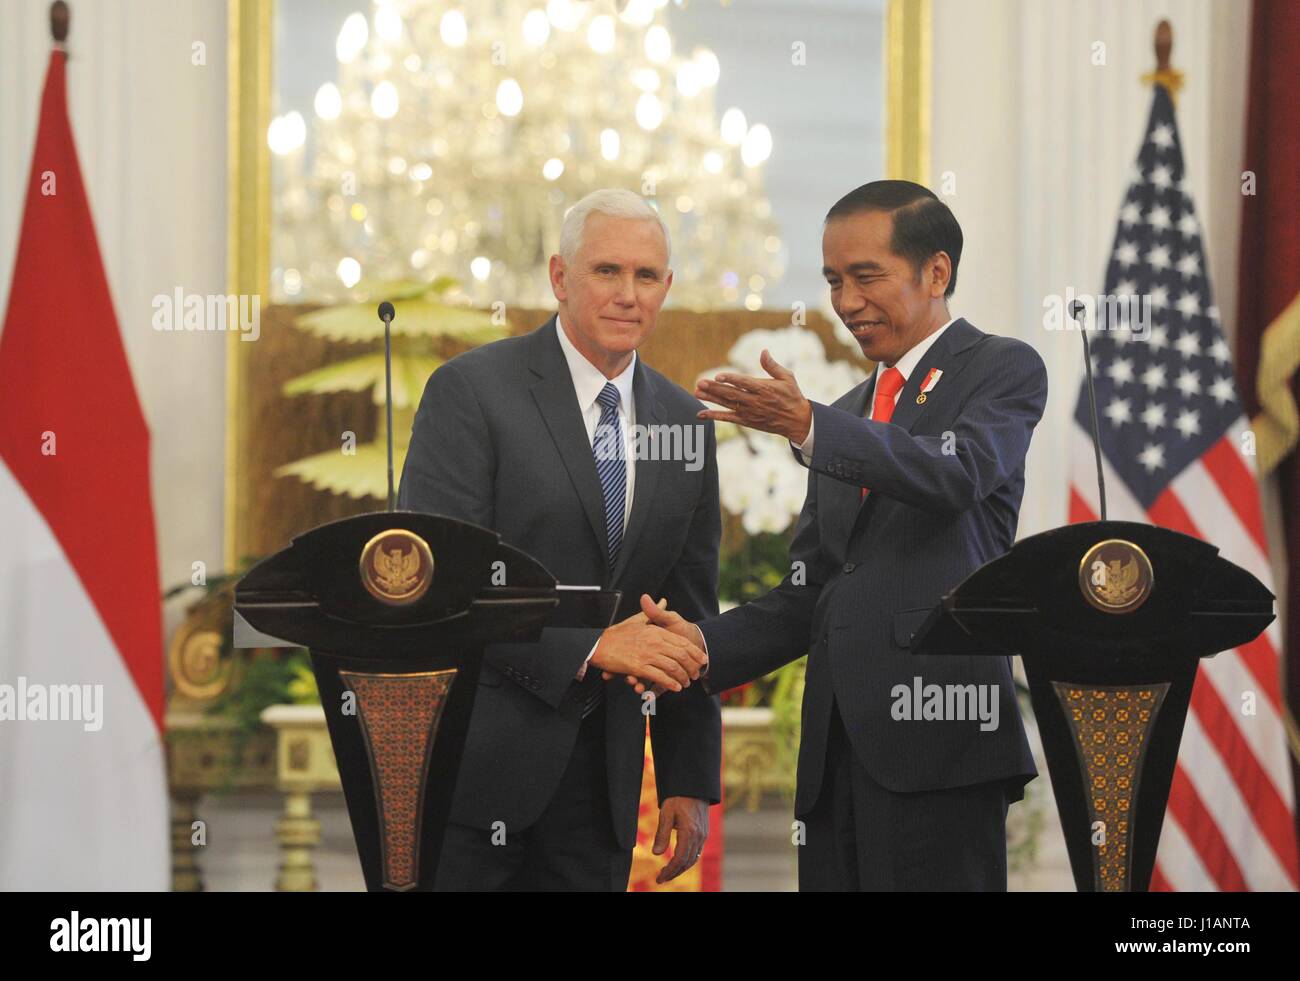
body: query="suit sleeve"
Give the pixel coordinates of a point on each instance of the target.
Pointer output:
(686, 728)
(951, 472)
(450, 466)
(450, 469)
(757, 638)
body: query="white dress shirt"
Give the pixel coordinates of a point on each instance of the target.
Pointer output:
(905, 365)
(589, 381)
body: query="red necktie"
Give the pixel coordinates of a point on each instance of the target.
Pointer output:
(887, 386)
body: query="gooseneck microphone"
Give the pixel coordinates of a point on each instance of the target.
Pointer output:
(386, 314)
(1077, 313)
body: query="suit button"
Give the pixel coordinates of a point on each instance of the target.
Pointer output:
(849, 567)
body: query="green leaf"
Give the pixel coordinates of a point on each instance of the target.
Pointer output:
(410, 372)
(416, 317)
(358, 475)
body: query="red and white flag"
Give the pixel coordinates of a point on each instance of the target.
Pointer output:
(83, 795)
(1176, 452)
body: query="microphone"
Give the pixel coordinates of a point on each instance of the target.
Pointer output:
(386, 314)
(1078, 313)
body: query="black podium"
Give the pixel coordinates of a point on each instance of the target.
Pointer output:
(396, 609)
(1111, 618)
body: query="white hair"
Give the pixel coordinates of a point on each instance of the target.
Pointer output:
(613, 202)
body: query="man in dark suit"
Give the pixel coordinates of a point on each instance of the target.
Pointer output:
(530, 437)
(915, 480)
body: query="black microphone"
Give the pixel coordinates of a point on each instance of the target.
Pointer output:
(386, 314)
(1077, 311)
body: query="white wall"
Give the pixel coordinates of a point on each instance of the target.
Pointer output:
(1041, 141)
(150, 130)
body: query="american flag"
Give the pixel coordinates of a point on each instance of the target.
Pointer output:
(1176, 452)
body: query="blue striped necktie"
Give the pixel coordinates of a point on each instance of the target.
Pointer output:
(611, 466)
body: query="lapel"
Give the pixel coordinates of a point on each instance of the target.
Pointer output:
(944, 355)
(949, 355)
(558, 402)
(648, 413)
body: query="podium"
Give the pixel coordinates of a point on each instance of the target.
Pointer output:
(396, 609)
(1111, 619)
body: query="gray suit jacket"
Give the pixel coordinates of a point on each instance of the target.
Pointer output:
(946, 480)
(499, 441)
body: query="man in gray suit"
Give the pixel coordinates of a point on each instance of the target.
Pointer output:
(529, 436)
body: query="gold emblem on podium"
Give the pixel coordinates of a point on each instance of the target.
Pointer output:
(396, 567)
(1115, 576)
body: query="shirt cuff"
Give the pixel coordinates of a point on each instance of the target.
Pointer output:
(805, 449)
(582, 671)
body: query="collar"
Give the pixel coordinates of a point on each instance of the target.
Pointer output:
(908, 362)
(588, 380)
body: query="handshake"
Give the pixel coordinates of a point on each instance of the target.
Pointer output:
(655, 650)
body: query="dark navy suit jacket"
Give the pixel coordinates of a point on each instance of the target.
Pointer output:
(499, 440)
(946, 479)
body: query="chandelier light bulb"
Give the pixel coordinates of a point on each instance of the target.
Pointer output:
(349, 271)
(733, 126)
(638, 12)
(352, 38)
(609, 144)
(564, 14)
(688, 79)
(388, 24)
(536, 28)
(757, 146)
(658, 45)
(383, 100)
(600, 34)
(328, 101)
(649, 112)
(286, 133)
(707, 64)
(453, 29)
(510, 97)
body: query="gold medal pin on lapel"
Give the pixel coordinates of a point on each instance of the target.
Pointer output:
(931, 379)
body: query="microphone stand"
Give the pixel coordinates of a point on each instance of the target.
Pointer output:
(386, 314)
(1077, 311)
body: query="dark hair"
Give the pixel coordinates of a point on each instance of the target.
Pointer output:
(923, 225)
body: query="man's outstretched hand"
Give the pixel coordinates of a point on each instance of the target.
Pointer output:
(773, 405)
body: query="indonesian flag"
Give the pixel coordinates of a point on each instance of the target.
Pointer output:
(83, 800)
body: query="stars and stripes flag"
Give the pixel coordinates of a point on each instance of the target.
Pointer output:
(1177, 453)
